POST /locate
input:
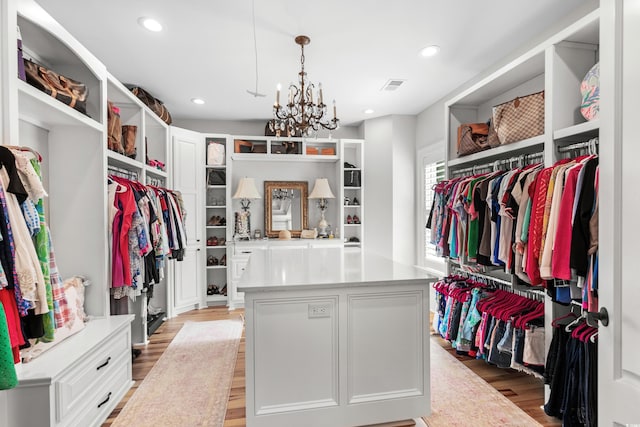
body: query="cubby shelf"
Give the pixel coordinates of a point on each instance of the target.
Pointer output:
(578, 132)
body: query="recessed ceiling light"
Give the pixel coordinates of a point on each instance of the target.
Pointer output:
(368, 111)
(197, 101)
(430, 51)
(150, 24)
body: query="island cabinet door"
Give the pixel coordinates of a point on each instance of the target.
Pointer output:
(338, 357)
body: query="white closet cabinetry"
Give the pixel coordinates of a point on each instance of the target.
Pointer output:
(352, 209)
(556, 66)
(152, 142)
(80, 380)
(187, 177)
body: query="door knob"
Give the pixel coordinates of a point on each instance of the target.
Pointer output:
(602, 316)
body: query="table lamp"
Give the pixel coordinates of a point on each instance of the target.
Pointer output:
(322, 192)
(246, 191)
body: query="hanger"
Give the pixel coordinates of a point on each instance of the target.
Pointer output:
(554, 322)
(576, 322)
(25, 149)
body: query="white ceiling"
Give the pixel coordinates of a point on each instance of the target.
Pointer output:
(206, 49)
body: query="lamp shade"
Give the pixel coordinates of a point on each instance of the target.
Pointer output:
(321, 190)
(246, 189)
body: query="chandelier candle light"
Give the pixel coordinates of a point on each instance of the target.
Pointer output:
(322, 192)
(301, 116)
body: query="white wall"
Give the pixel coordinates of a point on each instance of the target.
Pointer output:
(404, 202)
(252, 128)
(389, 180)
(378, 183)
(430, 122)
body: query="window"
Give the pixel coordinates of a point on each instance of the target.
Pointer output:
(433, 173)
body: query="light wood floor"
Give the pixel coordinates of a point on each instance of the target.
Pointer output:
(524, 390)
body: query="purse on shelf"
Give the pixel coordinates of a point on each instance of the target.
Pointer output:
(242, 146)
(520, 118)
(492, 136)
(352, 178)
(150, 101)
(216, 177)
(215, 154)
(472, 138)
(62, 88)
(129, 133)
(590, 91)
(21, 73)
(114, 129)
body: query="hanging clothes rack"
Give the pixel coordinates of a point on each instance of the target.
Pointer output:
(124, 173)
(522, 160)
(485, 277)
(156, 182)
(590, 144)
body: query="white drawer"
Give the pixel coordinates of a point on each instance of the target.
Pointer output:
(75, 386)
(98, 404)
(237, 268)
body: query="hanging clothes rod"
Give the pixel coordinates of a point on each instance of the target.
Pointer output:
(579, 145)
(125, 173)
(472, 275)
(524, 159)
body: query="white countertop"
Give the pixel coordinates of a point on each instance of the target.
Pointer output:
(314, 268)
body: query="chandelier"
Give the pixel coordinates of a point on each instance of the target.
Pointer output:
(301, 116)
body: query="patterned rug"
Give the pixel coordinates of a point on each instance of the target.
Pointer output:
(189, 385)
(461, 398)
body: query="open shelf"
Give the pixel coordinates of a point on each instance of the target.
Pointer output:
(216, 207)
(41, 109)
(117, 159)
(261, 157)
(156, 172)
(578, 133)
(526, 146)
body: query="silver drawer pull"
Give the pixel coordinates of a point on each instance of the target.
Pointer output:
(104, 364)
(106, 400)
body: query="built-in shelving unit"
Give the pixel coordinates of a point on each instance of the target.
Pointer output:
(556, 66)
(217, 200)
(352, 184)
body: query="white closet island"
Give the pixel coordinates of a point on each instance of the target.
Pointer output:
(334, 337)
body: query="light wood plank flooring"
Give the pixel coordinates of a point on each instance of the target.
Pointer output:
(524, 390)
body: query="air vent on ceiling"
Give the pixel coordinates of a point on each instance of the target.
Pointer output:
(393, 84)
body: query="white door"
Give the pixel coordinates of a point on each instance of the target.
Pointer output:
(187, 289)
(188, 178)
(619, 288)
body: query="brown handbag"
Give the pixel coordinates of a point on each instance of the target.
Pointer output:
(129, 133)
(153, 103)
(492, 137)
(114, 129)
(520, 118)
(472, 138)
(62, 88)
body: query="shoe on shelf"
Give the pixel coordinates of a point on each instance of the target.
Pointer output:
(213, 290)
(356, 220)
(212, 241)
(221, 241)
(223, 291)
(347, 202)
(355, 202)
(223, 260)
(354, 240)
(212, 261)
(349, 219)
(213, 220)
(348, 165)
(223, 221)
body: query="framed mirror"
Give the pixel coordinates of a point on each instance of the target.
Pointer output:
(285, 207)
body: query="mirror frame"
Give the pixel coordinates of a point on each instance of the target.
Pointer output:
(269, 186)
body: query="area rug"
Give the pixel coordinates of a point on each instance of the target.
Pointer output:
(461, 398)
(190, 383)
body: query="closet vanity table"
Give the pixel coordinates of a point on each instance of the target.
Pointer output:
(334, 336)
